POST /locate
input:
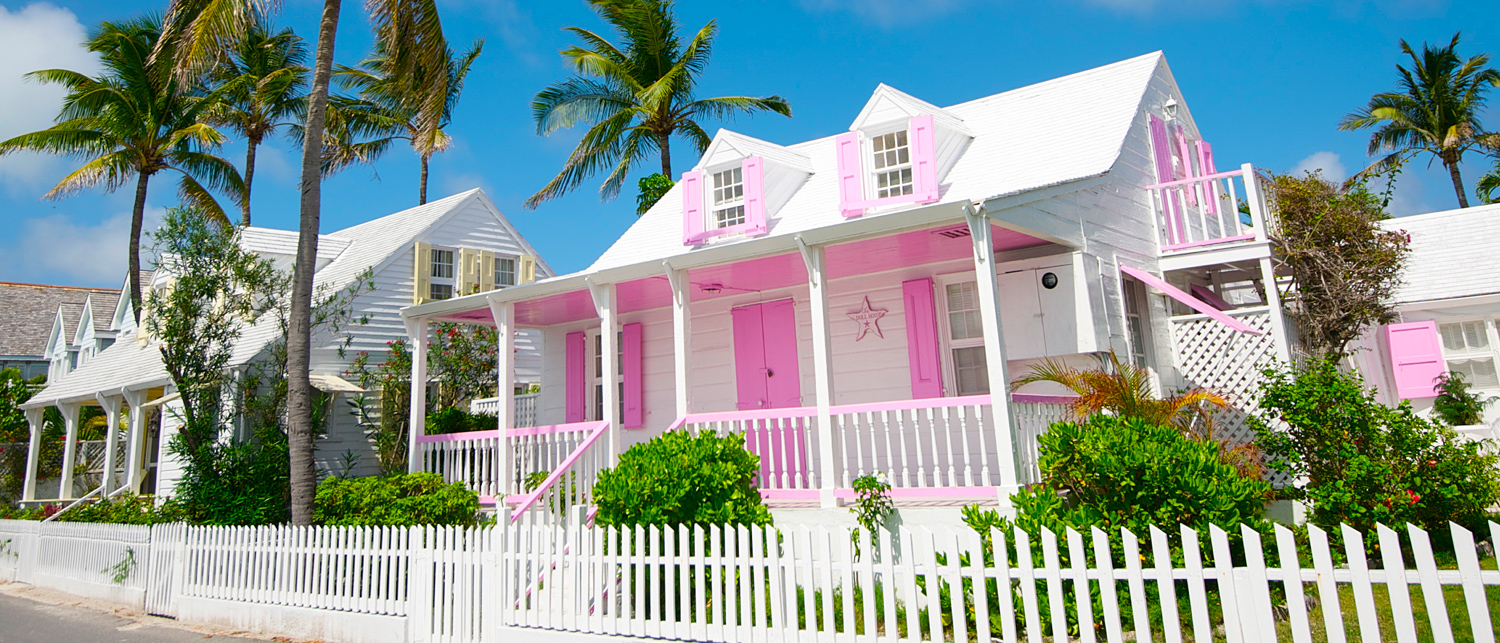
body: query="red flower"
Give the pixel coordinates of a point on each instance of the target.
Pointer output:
(1413, 496)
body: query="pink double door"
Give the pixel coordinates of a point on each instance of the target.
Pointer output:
(766, 377)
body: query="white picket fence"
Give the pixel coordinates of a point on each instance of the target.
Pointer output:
(544, 575)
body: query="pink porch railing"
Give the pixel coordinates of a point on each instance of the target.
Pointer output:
(473, 458)
(1204, 210)
(931, 448)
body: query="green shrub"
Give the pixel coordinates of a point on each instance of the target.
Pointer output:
(1360, 462)
(396, 501)
(679, 479)
(454, 420)
(1455, 403)
(125, 509)
(238, 483)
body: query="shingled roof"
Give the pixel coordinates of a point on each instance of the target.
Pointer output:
(28, 310)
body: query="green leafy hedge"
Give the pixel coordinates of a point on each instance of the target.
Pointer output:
(452, 420)
(680, 479)
(396, 501)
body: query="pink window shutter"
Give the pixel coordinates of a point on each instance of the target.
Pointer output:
(749, 358)
(1187, 166)
(783, 385)
(851, 182)
(575, 378)
(692, 207)
(1206, 166)
(1416, 358)
(1161, 151)
(922, 339)
(635, 407)
(752, 170)
(923, 159)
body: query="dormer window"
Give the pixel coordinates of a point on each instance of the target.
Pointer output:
(441, 276)
(892, 164)
(729, 198)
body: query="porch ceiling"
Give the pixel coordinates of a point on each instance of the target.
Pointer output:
(878, 254)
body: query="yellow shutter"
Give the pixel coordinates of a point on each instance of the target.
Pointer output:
(422, 273)
(527, 269)
(486, 271)
(468, 277)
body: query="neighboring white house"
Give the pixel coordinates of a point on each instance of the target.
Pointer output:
(1449, 305)
(458, 244)
(35, 337)
(859, 303)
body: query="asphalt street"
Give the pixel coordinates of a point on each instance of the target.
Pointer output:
(27, 621)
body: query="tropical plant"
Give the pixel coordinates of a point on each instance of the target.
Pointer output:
(681, 479)
(196, 30)
(1489, 185)
(1456, 404)
(265, 90)
(634, 96)
(386, 109)
(133, 121)
(1345, 266)
(652, 189)
(395, 501)
(1436, 111)
(1125, 390)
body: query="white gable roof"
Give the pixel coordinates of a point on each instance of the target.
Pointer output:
(1041, 135)
(888, 104)
(1452, 254)
(729, 145)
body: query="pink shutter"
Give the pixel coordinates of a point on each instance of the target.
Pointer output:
(575, 378)
(783, 385)
(1416, 358)
(1206, 166)
(1209, 296)
(1186, 171)
(922, 339)
(851, 182)
(692, 207)
(923, 159)
(753, 170)
(749, 358)
(1161, 150)
(635, 408)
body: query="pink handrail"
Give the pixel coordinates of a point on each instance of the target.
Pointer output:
(1196, 179)
(466, 436)
(599, 429)
(868, 407)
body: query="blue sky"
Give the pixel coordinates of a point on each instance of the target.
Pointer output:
(1267, 81)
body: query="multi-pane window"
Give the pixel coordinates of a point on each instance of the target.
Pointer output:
(966, 339)
(1134, 301)
(505, 271)
(892, 167)
(440, 283)
(729, 198)
(599, 375)
(1467, 349)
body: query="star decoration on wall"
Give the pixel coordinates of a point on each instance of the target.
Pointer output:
(869, 320)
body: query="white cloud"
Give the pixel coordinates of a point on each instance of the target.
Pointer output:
(38, 36)
(1326, 162)
(61, 249)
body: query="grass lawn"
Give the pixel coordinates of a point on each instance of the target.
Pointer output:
(1458, 612)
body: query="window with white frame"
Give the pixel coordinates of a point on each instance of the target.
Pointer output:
(728, 207)
(440, 275)
(505, 271)
(1468, 349)
(891, 171)
(965, 335)
(598, 387)
(1135, 302)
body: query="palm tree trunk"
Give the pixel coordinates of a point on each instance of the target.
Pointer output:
(299, 402)
(137, 217)
(664, 140)
(250, 145)
(1458, 181)
(422, 192)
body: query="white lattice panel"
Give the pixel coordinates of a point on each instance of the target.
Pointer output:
(1217, 357)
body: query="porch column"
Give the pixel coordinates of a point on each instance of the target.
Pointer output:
(111, 442)
(681, 337)
(604, 303)
(817, 291)
(33, 454)
(70, 449)
(994, 348)
(416, 329)
(135, 440)
(505, 390)
(1273, 302)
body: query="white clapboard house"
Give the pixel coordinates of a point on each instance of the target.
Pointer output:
(435, 251)
(857, 304)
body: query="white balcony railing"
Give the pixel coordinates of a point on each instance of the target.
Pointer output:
(1205, 210)
(473, 458)
(525, 408)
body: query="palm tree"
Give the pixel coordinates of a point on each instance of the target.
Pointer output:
(1436, 111)
(198, 29)
(1125, 390)
(1488, 185)
(133, 121)
(634, 96)
(265, 77)
(385, 110)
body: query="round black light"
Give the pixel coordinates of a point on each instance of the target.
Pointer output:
(1049, 280)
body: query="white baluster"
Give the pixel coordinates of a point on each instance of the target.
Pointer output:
(947, 414)
(984, 452)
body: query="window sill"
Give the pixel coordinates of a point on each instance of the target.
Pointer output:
(858, 208)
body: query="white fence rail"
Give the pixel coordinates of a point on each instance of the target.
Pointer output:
(525, 408)
(762, 584)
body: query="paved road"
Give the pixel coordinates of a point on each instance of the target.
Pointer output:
(27, 621)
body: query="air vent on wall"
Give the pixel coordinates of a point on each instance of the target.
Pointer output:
(955, 232)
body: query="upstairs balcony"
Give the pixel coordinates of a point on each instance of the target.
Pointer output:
(1216, 218)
